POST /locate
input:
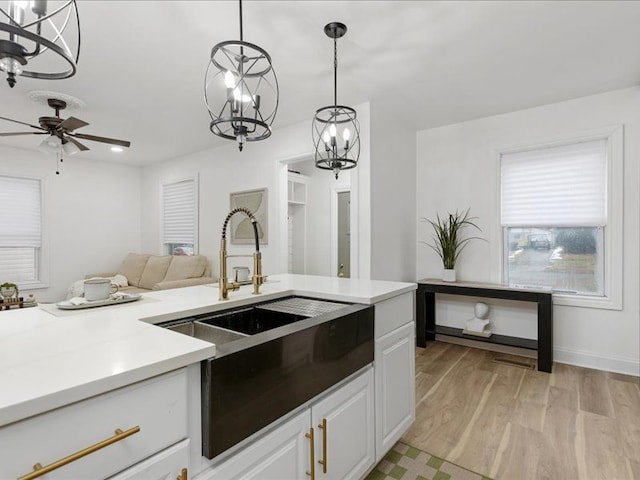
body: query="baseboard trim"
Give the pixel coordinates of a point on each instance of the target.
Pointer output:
(624, 365)
(578, 358)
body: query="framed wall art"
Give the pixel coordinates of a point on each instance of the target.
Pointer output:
(240, 225)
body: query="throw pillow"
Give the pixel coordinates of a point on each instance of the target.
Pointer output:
(183, 267)
(133, 266)
(154, 271)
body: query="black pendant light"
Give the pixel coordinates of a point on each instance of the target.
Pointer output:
(336, 131)
(241, 91)
(37, 28)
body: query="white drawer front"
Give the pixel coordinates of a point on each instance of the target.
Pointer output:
(157, 406)
(166, 465)
(393, 313)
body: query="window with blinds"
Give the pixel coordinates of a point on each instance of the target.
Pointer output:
(180, 217)
(20, 230)
(554, 216)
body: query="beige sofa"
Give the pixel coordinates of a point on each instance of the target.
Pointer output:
(160, 272)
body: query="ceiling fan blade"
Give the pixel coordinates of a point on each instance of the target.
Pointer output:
(22, 123)
(112, 141)
(11, 134)
(72, 123)
(77, 143)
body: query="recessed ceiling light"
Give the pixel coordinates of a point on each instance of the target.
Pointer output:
(117, 149)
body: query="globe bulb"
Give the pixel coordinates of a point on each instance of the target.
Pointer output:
(229, 80)
(10, 65)
(240, 97)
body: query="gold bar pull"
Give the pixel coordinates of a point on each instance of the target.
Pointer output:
(39, 470)
(183, 475)
(323, 462)
(312, 441)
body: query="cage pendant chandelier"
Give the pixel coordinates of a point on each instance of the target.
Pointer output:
(241, 90)
(335, 129)
(39, 39)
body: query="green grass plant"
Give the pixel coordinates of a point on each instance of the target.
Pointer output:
(449, 241)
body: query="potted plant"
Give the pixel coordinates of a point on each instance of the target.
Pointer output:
(9, 291)
(449, 241)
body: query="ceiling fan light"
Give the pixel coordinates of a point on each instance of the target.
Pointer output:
(70, 148)
(50, 144)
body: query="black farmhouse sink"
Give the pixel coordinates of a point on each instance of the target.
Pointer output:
(272, 358)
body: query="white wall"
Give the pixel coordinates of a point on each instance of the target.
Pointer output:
(457, 167)
(223, 170)
(91, 210)
(393, 197)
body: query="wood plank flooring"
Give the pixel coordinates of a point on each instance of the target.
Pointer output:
(515, 423)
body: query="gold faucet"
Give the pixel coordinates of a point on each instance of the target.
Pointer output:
(257, 279)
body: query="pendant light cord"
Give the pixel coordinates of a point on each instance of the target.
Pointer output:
(241, 39)
(335, 71)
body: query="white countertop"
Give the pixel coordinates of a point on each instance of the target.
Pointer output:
(48, 361)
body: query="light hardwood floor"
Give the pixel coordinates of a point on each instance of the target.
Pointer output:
(514, 423)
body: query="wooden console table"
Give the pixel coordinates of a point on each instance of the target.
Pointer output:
(426, 315)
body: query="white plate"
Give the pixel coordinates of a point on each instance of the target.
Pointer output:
(130, 297)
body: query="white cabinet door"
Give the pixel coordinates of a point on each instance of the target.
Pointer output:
(282, 454)
(166, 465)
(395, 386)
(344, 436)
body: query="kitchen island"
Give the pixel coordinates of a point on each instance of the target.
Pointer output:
(52, 362)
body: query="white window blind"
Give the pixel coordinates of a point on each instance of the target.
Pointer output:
(180, 212)
(20, 229)
(556, 186)
(20, 215)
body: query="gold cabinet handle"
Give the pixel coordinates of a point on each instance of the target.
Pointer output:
(183, 475)
(39, 470)
(312, 442)
(323, 462)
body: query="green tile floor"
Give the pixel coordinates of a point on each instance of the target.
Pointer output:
(405, 462)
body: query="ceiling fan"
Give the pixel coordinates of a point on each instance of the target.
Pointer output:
(61, 132)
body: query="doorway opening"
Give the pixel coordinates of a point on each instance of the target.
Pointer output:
(343, 233)
(317, 218)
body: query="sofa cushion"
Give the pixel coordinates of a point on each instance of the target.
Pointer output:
(133, 266)
(183, 266)
(154, 270)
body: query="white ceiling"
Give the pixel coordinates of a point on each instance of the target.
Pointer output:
(142, 64)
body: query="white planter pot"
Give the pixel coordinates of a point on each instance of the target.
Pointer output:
(448, 275)
(7, 292)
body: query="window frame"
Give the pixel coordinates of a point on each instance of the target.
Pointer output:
(195, 179)
(42, 256)
(613, 230)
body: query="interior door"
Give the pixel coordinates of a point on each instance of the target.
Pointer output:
(344, 234)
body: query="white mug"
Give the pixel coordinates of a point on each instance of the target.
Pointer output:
(98, 289)
(240, 274)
